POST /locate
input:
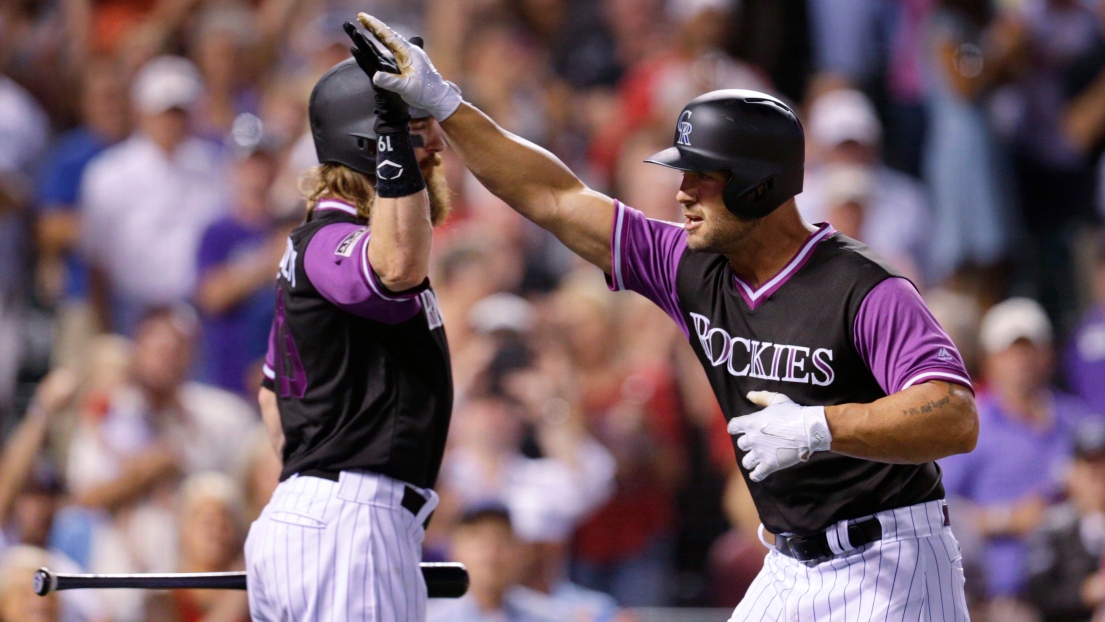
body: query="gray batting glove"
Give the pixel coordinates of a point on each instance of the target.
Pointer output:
(418, 82)
(779, 436)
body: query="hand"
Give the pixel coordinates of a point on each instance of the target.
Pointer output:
(779, 436)
(392, 113)
(417, 81)
(56, 390)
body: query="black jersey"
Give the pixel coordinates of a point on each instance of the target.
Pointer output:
(361, 374)
(837, 325)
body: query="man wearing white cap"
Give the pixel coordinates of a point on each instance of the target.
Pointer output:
(1025, 439)
(846, 138)
(146, 201)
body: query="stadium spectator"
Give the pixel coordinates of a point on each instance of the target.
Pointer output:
(1066, 582)
(969, 52)
(850, 187)
(484, 542)
(237, 259)
(1085, 353)
(212, 533)
(18, 602)
(127, 457)
(146, 201)
(1025, 440)
(624, 548)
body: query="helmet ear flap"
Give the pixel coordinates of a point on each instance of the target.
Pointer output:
(749, 202)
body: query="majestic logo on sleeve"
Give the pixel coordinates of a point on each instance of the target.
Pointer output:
(684, 128)
(433, 312)
(761, 359)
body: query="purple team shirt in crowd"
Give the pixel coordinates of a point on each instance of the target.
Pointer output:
(895, 334)
(336, 263)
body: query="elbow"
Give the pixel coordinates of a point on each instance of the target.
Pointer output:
(403, 272)
(965, 436)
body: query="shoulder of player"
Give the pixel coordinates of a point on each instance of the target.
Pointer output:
(839, 250)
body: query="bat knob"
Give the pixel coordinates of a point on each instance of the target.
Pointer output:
(45, 582)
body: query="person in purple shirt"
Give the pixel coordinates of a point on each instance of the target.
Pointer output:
(235, 267)
(1025, 443)
(840, 388)
(1085, 353)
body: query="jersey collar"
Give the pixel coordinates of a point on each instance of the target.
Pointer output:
(754, 297)
(335, 204)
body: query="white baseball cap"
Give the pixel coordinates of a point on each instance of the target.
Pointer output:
(166, 82)
(844, 115)
(502, 312)
(1012, 320)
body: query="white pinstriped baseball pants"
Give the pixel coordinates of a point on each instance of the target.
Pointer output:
(915, 572)
(344, 551)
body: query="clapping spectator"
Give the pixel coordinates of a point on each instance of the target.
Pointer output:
(127, 458)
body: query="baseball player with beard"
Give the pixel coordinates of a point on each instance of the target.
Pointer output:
(840, 388)
(358, 390)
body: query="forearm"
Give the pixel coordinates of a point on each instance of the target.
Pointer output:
(139, 476)
(920, 424)
(225, 287)
(522, 174)
(402, 235)
(19, 456)
(270, 414)
(1084, 120)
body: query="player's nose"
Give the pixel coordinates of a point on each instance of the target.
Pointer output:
(432, 140)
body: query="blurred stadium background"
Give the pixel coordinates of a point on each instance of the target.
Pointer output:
(149, 156)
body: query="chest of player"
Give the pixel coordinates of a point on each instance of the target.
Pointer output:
(795, 338)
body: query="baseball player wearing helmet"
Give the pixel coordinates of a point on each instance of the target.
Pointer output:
(358, 389)
(839, 387)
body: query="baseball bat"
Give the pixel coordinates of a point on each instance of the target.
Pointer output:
(443, 580)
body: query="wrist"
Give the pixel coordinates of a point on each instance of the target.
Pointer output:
(817, 429)
(397, 171)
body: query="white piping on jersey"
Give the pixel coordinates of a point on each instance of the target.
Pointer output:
(619, 283)
(935, 374)
(370, 276)
(269, 373)
(338, 205)
(785, 272)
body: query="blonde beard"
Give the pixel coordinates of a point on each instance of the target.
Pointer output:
(441, 198)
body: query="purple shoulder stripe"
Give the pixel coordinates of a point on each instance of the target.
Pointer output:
(901, 342)
(336, 263)
(645, 255)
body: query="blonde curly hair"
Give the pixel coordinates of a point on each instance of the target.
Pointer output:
(339, 182)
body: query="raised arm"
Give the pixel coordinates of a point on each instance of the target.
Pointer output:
(402, 232)
(528, 178)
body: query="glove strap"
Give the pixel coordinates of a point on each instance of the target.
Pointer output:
(397, 172)
(817, 429)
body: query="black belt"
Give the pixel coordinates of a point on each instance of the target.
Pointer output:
(412, 500)
(816, 547)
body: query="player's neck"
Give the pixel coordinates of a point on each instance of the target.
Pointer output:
(769, 248)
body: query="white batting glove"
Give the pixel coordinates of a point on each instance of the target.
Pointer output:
(418, 82)
(779, 436)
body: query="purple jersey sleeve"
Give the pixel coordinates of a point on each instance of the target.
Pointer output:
(901, 342)
(645, 254)
(336, 262)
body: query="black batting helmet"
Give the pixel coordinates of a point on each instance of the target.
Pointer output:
(752, 135)
(342, 118)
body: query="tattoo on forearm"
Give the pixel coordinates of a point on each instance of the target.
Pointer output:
(931, 406)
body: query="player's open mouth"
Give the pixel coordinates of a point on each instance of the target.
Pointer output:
(691, 222)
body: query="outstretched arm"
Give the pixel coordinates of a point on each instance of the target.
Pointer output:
(528, 178)
(533, 182)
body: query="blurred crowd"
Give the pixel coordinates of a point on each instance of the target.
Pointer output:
(150, 152)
